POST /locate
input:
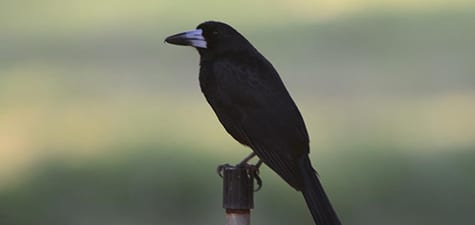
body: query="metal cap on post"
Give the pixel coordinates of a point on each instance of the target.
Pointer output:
(238, 194)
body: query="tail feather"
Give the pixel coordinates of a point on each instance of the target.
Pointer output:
(317, 201)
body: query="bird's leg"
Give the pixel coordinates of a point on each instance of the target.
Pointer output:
(253, 170)
(245, 160)
(243, 163)
(258, 164)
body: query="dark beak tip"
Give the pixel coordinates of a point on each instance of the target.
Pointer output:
(174, 40)
(167, 40)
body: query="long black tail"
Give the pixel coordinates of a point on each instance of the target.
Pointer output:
(317, 201)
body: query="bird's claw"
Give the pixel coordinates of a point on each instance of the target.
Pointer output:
(220, 169)
(252, 171)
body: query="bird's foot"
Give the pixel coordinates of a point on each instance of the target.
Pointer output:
(252, 171)
(220, 169)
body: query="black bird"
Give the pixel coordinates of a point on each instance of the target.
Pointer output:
(252, 103)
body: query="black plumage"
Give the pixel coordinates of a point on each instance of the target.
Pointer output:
(255, 108)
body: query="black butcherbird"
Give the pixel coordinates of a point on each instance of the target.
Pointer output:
(252, 103)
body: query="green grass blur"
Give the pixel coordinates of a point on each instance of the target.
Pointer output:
(103, 123)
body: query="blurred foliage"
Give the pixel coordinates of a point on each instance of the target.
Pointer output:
(102, 123)
(178, 186)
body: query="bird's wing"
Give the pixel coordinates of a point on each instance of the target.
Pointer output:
(253, 105)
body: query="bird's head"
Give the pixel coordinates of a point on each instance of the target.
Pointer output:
(211, 37)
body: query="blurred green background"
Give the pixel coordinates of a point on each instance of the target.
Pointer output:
(103, 123)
